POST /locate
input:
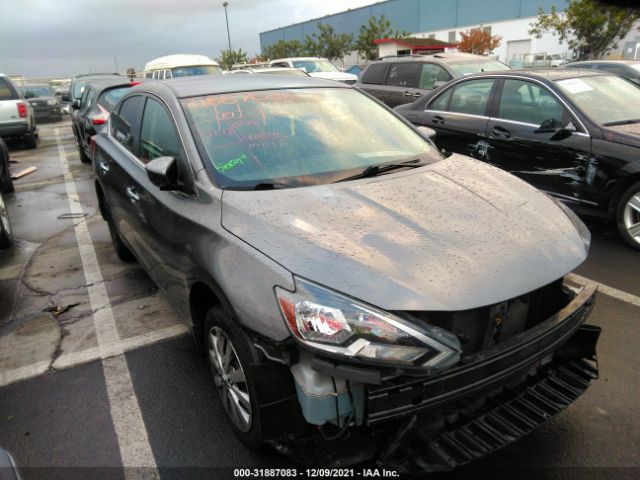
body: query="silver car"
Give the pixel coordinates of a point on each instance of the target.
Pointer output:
(347, 282)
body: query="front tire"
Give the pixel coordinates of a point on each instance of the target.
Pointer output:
(6, 236)
(230, 358)
(628, 216)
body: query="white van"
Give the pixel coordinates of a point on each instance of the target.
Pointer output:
(182, 65)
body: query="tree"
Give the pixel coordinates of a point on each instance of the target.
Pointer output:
(326, 43)
(374, 29)
(228, 58)
(284, 49)
(590, 28)
(478, 42)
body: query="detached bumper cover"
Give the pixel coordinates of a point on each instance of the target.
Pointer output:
(481, 373)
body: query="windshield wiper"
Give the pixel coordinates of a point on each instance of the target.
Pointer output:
(262, 186)
(621, 122)
(374, 170)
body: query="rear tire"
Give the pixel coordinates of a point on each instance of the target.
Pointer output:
(628, 216)
(6, 237)
(30, 140)
(121, 249)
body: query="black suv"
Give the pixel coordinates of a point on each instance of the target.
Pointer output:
(403, 79)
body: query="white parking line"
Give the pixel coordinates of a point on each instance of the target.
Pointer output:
(607, 290)
(128, 423)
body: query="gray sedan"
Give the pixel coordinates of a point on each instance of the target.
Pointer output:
(345, 279)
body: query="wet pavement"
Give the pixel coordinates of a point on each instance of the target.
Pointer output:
(56, 399)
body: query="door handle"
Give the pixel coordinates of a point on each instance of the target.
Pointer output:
(417, 95)
(132, 194)
(438, 120)
(104, 167)
(406, 94)
(500, 132)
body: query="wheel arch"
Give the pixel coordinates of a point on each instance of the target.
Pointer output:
(204, 295)
(620, 188)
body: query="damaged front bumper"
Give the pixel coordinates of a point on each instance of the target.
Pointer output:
(490, 399)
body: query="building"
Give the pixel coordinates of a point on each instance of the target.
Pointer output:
(443, 20)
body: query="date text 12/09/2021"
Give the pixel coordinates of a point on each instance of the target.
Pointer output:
(316, 472)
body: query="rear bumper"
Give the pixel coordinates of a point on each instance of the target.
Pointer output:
(14, 129)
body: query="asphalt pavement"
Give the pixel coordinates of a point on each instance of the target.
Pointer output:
(62, 414)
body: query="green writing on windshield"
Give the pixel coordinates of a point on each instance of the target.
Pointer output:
(222, 167)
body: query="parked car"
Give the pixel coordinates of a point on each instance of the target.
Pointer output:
(43, 101)
(629, 69)
(16, 114)
(573, 133)
(91, 112)
(6, 235)
(79, 81)
(181, 65)
(342, 274)
(316, 67)
(402, 79)
(6, 184)
(271, 71)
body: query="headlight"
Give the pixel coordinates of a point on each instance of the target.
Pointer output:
(52, 102)
(328, 321)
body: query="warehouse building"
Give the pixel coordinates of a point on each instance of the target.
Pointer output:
(443, 20)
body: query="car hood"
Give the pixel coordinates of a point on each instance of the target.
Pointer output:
(454, 235)
(336, 76)
(626, 134)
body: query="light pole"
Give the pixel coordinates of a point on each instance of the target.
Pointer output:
(226, 17)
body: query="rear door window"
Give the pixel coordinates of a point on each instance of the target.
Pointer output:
(471, 97)
(404, 74)
(432, 73)
(7, 92)
(375, 74)
(125, 124)
(158, 136)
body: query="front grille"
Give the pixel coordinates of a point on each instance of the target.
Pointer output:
(483, 328)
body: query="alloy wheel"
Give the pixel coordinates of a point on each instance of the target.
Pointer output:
(4, 216)
(229, 379)
(631, 217)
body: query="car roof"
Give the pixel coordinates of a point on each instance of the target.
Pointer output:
(454, 57)
(550, 74)
(591, 62)
(288, 59)
(216, 84)
(96, 75)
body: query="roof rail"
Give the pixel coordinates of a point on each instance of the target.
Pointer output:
(401, 56)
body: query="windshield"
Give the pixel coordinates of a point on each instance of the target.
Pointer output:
(313, 66)
(297, 137)
(196, 70)
(78, 88)
(467, 68)
(109, 98)
(606, 99)
(38, 90)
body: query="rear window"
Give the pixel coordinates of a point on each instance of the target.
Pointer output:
(7, 92)
(375, 74)
(109, 98)
(196, 70)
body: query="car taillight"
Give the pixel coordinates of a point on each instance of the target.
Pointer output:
(22, 110)
(101, 118)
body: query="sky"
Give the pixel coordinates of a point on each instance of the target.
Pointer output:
(47, 38)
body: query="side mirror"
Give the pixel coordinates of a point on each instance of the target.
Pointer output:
(29, 94)
(427, 133)
(75, 104)
(163, 173)
(559, 131)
